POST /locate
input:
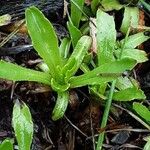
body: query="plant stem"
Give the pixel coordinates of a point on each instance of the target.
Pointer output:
(105, 115)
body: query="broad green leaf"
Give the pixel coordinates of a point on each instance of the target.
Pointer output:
(75, 12)
(136, 54)
(108, 71)
(75, 33)
(23, 125)
(106, 37)
(142, 110)
(44, 38)
(109, 5)
(129, 94)
(77, 56)
(80, 81)
(6, 145)
(61, 105)
(14, 72)
(135, 40)
(131, 18)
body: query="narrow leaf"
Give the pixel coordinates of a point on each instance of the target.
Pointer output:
(106, 37)
(129, 94)
(142, 110)
(61, 105)
(131, 18)
(23, 125)
(77, 56)
(75, 12)
(14, 72)
(74, 33)
(94, 5)
(43, 38)
(6, 145)
(102, 74)
(115, 67)
(64, 47)
(80, 81)
(135, 40)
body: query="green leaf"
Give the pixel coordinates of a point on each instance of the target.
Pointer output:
(14, 72)
(106, 37)
(136, 54)
(111, 5)
(108, 71)
(64, 47)
(61, 105)
(75, 12)
(6, 145)
(77, 56)
(115, 67)
(129, 94)
(80, 81)
(123, 83)
(94, 5)
(131, 18)
(147, 145)
(23, 125)
(142, 110)
(59, 87)
(75, 33)
(135, 40)
(44, 39)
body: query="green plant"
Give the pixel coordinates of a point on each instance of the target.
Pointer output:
(60, 67)
(110, 50)
(61, 70)
(23, 125)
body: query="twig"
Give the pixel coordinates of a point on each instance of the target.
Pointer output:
(134, 116)
(74, 126)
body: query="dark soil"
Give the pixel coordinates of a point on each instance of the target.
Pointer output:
(81, 121)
